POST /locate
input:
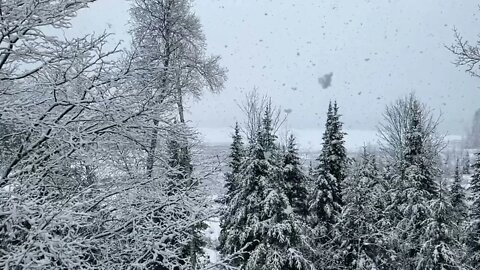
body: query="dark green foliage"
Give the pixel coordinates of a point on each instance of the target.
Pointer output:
(358, 232)
(180, 177)
(416, 165)
(412, 147)
(441, 248)
(237, 158)
(328, 175)
(457, 197)
(326, 199)
(473, 239)
(295, 179)
(260, 222)
(179, 160)
(466, 163)
(333, 158)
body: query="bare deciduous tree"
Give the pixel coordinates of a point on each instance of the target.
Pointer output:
(254, 107)
(73, 190)
(468, 55)
(394, 129)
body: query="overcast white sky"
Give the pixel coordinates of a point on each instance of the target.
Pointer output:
(377, 50)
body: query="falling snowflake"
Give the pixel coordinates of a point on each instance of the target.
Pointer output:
(326, 80)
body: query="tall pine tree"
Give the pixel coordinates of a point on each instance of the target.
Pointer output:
(441, 248)
(458, 197)
(416, 188)
(295, 179)
(358, 236)
(466, 163)
(473, 239)
(237, 157)
(180, 178)
(416, 165)
(411, 147)
(326, 200)
(330, 172)
(263, 225)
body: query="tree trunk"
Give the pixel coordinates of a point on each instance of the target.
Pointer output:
(152, 149)
(184, 157)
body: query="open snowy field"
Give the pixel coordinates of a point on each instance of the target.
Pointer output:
(310, 140)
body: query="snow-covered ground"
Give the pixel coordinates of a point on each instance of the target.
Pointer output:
(212, 233)
(308, 139)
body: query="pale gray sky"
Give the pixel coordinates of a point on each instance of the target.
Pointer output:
(377, 51)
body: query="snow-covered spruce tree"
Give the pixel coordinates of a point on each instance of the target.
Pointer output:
(326, 200)
(417, 189)
(473, 237)
(311, 169)
(179, 162)
(415, 163)
(466, 163)
(441, 248)
(358, 234)
(236, 156)
(180, 178)
(458, 198)
(411, 148)
(262, 223)
(295, 179)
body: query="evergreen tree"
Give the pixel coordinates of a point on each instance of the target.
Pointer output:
(440, 249)
(388, 256)
(473, 239)
(358, 232)
(326, 199)
(310, 180)
(180, 178)
(236, 158)
(333, 158)
(262, 223)
(416, 166)
(310, 169)
(416, 189)
(457, 197)
(466, 163)
(328, 175)
(176, 173)
(412, 148)
(295, 179)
